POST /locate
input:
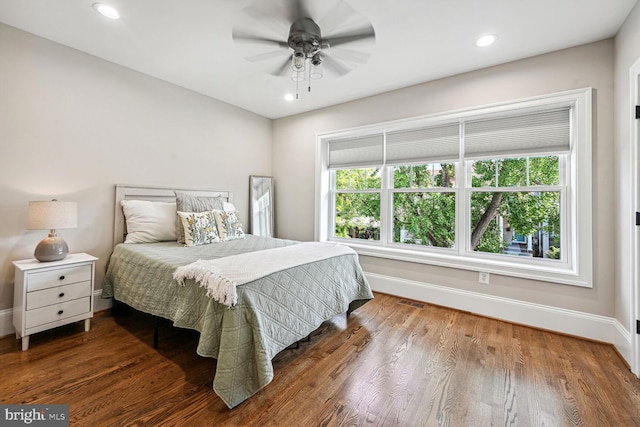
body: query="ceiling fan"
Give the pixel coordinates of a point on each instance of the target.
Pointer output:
(288, 34)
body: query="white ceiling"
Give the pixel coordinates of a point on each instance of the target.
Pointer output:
(189, 43)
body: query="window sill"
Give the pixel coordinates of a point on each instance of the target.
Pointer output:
(559, 273)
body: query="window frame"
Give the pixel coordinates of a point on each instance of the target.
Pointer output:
(575, 269)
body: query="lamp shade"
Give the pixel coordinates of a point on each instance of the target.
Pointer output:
(49, 216)
(52, 214)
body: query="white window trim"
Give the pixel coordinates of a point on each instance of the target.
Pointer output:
(575, 270)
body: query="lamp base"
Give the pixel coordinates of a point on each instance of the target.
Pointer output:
(52, 248)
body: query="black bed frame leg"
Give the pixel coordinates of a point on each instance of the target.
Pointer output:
(156, 333)
(307, 339)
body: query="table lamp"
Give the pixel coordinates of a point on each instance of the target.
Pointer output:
(50, 216)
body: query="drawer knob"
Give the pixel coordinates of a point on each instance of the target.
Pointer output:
(60, 312)
(61, 277)
(61, 294)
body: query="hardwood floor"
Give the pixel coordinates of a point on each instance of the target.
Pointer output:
(392, 362)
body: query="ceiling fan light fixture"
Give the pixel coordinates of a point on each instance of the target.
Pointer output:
(106, 10)
(307, 49)
(316, 67)
(297, 61)
(486, 40)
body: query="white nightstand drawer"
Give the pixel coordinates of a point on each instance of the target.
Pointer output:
(58, 277)
(57, 312)
(50, 296)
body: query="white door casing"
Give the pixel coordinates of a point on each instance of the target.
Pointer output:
(634, 141)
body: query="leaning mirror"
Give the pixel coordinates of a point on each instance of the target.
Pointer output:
(261, 205)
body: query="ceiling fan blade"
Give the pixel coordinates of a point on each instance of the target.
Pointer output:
(270, 19)
(350, 55)
(241, 36)
(266, 56)
(338, 14)
(283, 69)
(366, 33)
(334, 65)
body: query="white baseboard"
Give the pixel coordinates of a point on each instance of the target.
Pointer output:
(6, 315)
(622, 343)
(576, 323)
(6, 322)
(100, 303)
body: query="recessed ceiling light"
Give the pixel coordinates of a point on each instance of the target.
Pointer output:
(486, 40)
(289, 97)
(106, 10)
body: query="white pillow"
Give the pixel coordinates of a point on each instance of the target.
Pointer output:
(149, 222)
(200, 228)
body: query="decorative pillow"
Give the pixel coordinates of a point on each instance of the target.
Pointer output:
(229, 226)
(199, 228)
(188, 203)
(149, 222)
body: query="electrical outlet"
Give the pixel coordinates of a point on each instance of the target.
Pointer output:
(483, 277)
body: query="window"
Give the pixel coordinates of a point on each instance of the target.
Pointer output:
(515, 206)
(494, 188)
(423, 205)
(357, 203)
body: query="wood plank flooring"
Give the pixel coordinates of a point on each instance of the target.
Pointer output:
(392, 362)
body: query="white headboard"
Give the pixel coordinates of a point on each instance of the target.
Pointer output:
(158, 194)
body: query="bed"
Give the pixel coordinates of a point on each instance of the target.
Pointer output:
(270, 314)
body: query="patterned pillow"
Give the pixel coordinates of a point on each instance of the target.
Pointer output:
(190, 203)
(229, 226)
(199, 228)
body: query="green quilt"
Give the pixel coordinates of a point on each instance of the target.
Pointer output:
(272, 313)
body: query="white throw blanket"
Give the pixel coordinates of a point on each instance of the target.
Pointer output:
(221, 276)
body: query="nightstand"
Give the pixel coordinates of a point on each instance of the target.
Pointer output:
(51, 294)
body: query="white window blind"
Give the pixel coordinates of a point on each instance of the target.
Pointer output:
(423, 145)
(357, 151)
(526, 134)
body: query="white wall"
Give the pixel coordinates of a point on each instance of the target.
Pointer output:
(583, 66)
(72, 126)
